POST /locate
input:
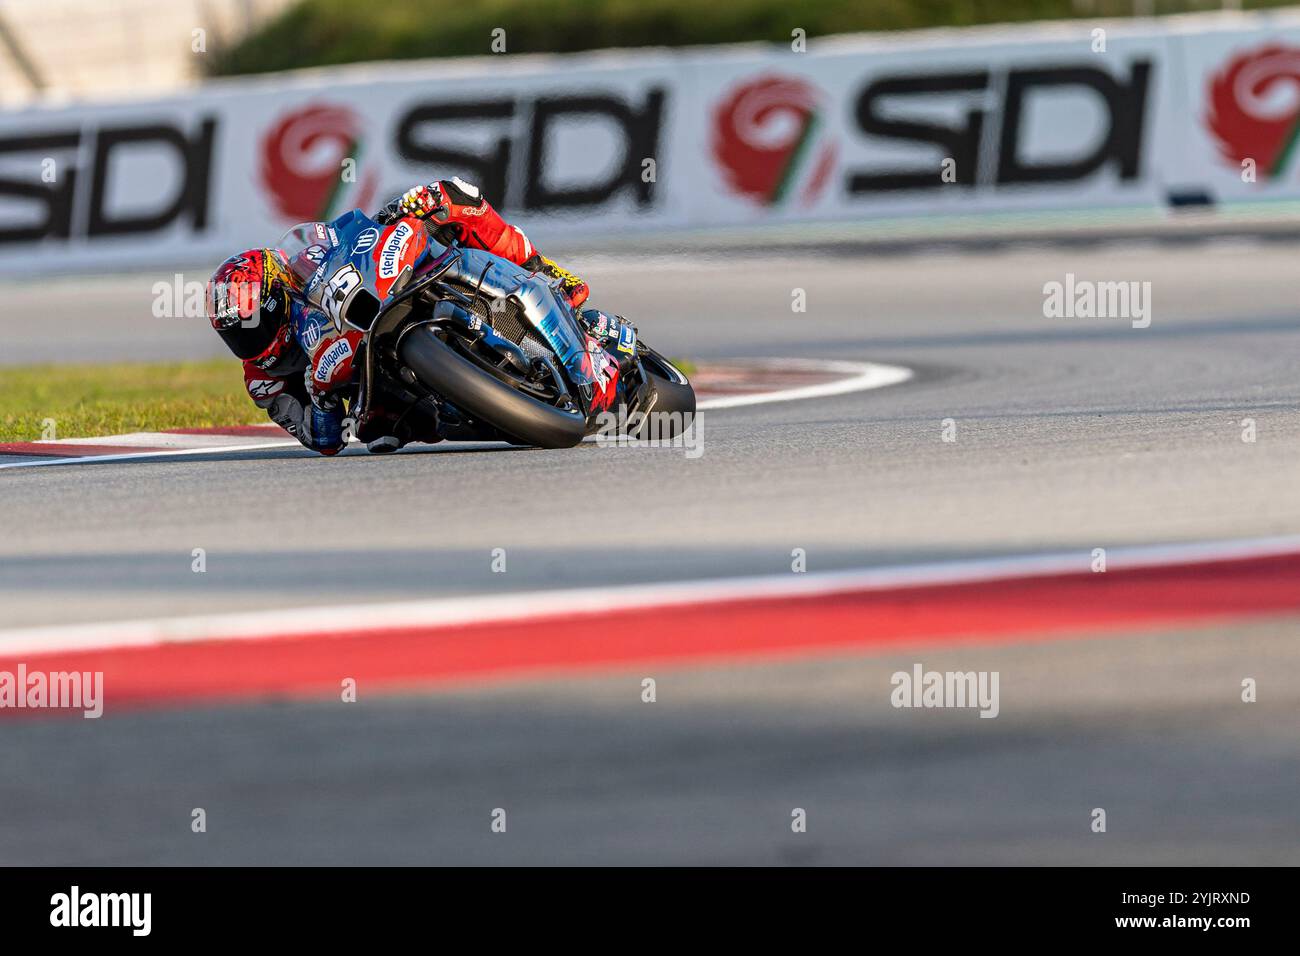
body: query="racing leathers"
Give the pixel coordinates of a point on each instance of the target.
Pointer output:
(303, 375)
(456, 210)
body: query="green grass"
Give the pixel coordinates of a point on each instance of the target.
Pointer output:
(87, 401)
(324, 32)
(91, 400)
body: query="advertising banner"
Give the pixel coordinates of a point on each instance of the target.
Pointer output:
(1051, 117)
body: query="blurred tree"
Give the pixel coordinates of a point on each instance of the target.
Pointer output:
(323, 32)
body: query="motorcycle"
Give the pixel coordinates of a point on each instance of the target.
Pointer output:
(460, 344)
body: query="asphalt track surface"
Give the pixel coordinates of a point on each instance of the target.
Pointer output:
(1072, 434)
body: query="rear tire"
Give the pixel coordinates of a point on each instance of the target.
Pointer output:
(488, 399)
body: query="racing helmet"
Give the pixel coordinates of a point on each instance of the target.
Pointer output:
(248, 301)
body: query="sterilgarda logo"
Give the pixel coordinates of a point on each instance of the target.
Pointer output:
(769, 140)
(392, 253)
(400, 246)
(1254, 109)
(312, 163)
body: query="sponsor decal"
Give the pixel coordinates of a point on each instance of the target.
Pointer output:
(900, 107)
(604, 372)
(393, 252)
(1253, 109)
(626, 339)
(516, 162)
(78, 202)
(311, 333)
(332, 358)
(768, 140)
(302, 155)
(366, 240)
(265, 387)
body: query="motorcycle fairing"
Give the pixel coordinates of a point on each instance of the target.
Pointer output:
(539, 302)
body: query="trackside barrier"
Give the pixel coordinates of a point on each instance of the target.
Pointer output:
(1081, 115)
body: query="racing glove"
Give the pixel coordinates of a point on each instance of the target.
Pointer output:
(462, 208)
(420, 202)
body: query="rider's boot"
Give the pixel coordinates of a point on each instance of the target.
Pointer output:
(574, 287)
(377, 431)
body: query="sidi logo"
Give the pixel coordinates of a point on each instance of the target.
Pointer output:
(506, 145)
(72, 199)
(102, 909)
(309, 163)
(987, 144)
(1253, 113)
(769, 140)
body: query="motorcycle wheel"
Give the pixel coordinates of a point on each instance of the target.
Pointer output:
(489, 399)
(673, 390)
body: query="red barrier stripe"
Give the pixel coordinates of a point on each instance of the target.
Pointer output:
(60, 450)
(1020, 609)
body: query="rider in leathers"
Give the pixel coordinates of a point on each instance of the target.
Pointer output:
(297, 365)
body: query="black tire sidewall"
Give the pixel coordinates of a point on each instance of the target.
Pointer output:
(487, 398)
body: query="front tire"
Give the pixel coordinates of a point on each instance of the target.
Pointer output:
(674, 395)
(488, 399)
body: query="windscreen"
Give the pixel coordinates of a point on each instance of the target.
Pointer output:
(302, 251)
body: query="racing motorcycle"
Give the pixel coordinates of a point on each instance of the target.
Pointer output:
(460, 344)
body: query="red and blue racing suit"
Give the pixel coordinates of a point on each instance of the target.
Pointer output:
(302, 377)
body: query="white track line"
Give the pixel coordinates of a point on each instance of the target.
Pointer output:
(489, 608)
(161, 453)
(164, 441)
(860, 377)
